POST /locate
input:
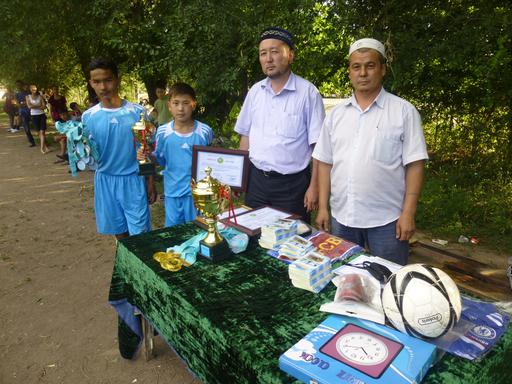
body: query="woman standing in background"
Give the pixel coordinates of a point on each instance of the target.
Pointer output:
(37, 106)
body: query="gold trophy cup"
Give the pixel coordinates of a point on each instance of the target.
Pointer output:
(211, 198)
(142, 135)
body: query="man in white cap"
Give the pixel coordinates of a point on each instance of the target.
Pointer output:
(279, 124)
(371, 154)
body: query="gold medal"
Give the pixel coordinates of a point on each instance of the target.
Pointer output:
(170, 261)
(172, 264)
(159, 256)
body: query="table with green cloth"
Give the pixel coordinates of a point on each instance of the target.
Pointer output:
(231, 321)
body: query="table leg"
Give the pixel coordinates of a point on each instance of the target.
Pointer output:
(147, 334)
(148, 331)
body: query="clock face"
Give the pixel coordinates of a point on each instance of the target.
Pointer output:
(362, 348)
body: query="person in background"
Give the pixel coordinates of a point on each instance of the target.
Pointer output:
(163, 114)
(62, 139)
(279, 124)
(174, 142)
(76, 113)
(371, 154)
(120, 195)
(37, 105)
(57, 103)
(11, 110)
(24, 111)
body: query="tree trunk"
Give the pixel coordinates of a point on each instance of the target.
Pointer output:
(151, 83)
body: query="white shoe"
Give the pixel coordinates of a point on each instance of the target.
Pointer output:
(12, 130)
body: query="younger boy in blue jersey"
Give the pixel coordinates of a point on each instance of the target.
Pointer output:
(120, 198)
(174, 142)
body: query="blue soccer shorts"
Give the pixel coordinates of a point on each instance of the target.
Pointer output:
(121, 204)
(179, 210)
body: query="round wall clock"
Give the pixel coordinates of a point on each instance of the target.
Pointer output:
(362, 349)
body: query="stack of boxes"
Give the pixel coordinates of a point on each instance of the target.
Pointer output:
(311, 272)
(275, 234)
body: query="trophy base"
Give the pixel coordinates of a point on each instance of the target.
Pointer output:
(215, 253)
(147, 169)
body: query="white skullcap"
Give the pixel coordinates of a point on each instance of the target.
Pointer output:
(368, 43)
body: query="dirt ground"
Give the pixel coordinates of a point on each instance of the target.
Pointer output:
(56, 325)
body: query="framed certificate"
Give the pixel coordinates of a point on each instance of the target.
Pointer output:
(251, 222)
(229, 166)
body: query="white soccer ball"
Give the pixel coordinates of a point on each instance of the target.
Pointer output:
(422, 301)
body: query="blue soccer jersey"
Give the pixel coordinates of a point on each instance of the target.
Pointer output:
(120, 199)
(111, 129)
(174, 152)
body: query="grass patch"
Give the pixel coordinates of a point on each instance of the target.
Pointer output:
(158, 209)
(469, 200)
(4, 119)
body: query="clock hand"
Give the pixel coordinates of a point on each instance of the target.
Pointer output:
(364, 351)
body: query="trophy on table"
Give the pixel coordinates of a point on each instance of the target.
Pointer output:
(211, 198)
(142, 135)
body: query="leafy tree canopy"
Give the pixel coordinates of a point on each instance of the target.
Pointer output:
(450, 58)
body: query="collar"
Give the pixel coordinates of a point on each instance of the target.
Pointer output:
(379, 100)
(194, 129)
(289, 86)
(123, 104)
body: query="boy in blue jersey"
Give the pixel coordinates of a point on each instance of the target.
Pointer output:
(174, 142)
(120, 196)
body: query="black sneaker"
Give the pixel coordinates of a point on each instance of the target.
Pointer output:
(32, 145)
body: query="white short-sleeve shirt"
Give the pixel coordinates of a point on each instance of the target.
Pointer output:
(282, 127)
(368, 151)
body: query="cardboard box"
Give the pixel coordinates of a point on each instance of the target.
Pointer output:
(348, 350)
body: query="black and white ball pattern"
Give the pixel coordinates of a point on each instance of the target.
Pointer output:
(422, 301)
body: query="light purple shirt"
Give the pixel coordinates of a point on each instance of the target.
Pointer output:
(282, 127)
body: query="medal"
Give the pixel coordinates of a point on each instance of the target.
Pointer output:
(170, 261)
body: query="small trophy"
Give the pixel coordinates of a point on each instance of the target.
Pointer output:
(142, 135)
(211, 198)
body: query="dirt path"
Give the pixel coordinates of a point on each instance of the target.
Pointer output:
(55, 323)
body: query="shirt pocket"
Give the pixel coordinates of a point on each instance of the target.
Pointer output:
(387, 148)
(291, 125)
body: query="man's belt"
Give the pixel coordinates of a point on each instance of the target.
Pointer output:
(274, 174)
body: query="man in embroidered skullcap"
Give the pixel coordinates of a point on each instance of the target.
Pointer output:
(371, 154)
(279, 124)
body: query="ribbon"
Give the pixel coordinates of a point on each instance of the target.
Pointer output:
(188, 250)
(226, 195)
(144, 142)
(80, 144)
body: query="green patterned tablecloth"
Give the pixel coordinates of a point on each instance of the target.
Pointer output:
(230, 322)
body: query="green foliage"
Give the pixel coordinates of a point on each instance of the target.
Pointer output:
(456, 202)
(451, 59)
(213, 46)
(227, 137)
